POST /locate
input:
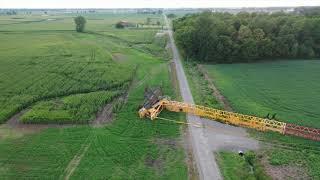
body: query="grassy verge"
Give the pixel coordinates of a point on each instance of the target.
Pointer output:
(235, 167)
(201, 93)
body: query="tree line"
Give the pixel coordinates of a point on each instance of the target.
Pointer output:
(247, 37)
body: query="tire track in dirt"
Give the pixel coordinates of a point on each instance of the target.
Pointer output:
(73, 164)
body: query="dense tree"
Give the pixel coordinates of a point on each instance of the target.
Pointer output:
(120, 25)
(80, 22)
(243, 37)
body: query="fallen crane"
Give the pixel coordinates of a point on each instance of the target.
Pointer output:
(155, 103)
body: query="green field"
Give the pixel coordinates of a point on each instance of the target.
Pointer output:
(45, 59)
(61, 76)
(288, 88)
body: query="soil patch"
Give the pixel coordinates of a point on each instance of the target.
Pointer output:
(103, 116)
(14, 123)
(284, 171)
(118, 57)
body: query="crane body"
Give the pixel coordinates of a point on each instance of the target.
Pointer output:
(152, 110)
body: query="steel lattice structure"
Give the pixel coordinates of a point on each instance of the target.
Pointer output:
(227, 117)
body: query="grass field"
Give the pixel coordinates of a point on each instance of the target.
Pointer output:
(288, 88)
(64, 76)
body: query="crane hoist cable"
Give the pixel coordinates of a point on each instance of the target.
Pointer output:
(181, 122)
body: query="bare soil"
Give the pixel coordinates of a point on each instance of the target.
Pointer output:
(14, 123)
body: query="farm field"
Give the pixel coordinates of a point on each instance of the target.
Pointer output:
(60, 76)
(287, 88)
(62, 61)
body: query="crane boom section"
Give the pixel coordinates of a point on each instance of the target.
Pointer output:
(237, 119)
(226, 117)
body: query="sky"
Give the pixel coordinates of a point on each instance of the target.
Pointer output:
(152, 3)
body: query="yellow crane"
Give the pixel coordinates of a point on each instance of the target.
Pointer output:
(155, 103)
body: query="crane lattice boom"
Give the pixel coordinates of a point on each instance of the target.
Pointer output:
(237, 119)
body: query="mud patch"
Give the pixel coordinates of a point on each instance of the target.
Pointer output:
(118, 57)
(15, 125)
(13, 128)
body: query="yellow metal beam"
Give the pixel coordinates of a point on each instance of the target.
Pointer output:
(214, 114)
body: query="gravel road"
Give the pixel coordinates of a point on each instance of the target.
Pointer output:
(215, 136)
(204, 157)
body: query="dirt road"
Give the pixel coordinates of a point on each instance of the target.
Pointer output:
(215, 136)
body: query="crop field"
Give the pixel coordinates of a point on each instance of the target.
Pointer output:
(46, 63)
(287, 88)
(78, 108)
(60, 76)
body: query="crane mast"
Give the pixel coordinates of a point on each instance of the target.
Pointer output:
(153, 110)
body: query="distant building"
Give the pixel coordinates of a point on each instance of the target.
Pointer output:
(124, 23)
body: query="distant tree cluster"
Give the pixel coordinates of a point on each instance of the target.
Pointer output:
(149, 11)
(11, 12)
(227, 38)
(171, 15)
(80, 22)
(308, 11)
